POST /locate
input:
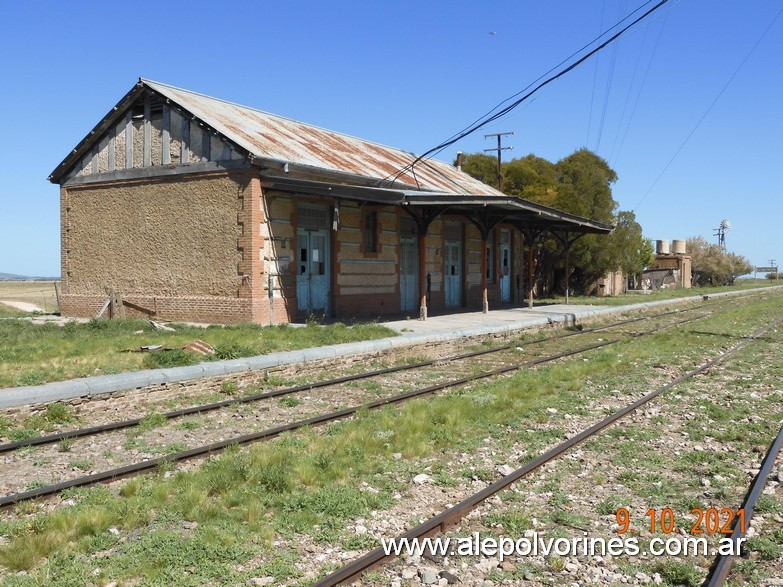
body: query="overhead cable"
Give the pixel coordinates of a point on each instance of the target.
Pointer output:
(715, 101)
(478, 124)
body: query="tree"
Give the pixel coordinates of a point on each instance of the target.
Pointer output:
(580, 184)
(628, 245)
(531, 178)
(714, 266)
(585, 186)
(482, 167)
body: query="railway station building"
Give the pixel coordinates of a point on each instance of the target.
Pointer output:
(192, 208)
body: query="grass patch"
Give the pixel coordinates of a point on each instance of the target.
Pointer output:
(290, 401)
(658, 294)
(9, 312)
(150, 422)
(39, 353)
(509, 523)
(679, 573)
(765, 548)
(307, 482)
(173, 358)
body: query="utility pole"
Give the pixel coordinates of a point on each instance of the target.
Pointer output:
(499, 148)
(772, 264)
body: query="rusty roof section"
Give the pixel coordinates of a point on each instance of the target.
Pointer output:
(355, 167)
(271, 137)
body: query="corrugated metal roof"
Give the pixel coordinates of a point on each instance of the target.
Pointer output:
(274, 137)
(367, 168)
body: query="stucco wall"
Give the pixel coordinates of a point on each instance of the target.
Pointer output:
(154, 237)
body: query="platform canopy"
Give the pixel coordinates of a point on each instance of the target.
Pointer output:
(484, 210)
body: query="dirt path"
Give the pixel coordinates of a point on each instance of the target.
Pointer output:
(23, 306)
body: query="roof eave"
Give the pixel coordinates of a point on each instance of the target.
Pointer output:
(551, 218)
(510, 202)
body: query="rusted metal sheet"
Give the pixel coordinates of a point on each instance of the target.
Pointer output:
(275, 137)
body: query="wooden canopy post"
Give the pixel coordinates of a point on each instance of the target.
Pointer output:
(564, 239)
(484, 297)
(529, 272)
(567, 268)
(485, 223)
(530, 235)
(423, 219)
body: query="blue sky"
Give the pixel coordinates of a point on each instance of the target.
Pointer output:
(409, 75)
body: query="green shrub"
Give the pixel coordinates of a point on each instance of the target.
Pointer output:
(766, 548)
(679, 573)
(174, 358)
(59, 413)
(151, 421)
(228, 387)
(233, 351)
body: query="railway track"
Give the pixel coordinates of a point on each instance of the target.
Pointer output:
(448, 381)
(719, 572)
(452, 516)
(204, 408)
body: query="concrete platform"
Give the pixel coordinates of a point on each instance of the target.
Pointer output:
(514, 318)
(412, 332)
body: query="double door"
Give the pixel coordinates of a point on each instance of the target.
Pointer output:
(409, 273)
(505, 266)
(312, 280)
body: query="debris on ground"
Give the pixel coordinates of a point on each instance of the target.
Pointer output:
(162, 326)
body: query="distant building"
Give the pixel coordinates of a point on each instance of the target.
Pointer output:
(192, 208)
(672, 267)
(611, 284)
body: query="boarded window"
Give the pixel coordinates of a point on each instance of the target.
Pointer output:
(407, 228)
(371, 232)
(491, 257)
(452, 231)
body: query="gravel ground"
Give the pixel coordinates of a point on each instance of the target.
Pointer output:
(579, 494)
(563, 499)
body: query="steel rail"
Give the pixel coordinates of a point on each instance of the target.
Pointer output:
(200, 409)
(216, 447)
(719, 571)
(453, 515)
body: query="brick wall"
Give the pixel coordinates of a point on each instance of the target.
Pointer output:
(214, 247)
(185, 247)
(210, 309)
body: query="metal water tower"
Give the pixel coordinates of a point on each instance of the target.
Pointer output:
(720, 232)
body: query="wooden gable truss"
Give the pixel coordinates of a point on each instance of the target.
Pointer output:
(147, 135)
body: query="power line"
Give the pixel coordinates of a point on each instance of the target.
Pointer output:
(628, 93)
(488, 118)
(609, 81)
(715, 101)
(595, 81)
(639, 95)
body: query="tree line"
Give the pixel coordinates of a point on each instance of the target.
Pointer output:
(712, 265)
(581, 184)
